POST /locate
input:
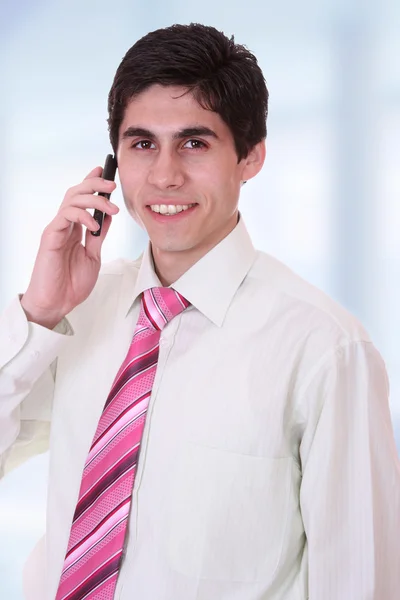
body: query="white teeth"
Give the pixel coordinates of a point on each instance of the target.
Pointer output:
(170, 209)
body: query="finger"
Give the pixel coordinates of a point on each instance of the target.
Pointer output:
(72, 214)
(91, 201)
(96, 172)
(90, 186)
(94, 243)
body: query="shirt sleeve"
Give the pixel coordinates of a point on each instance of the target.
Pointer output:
(350, 491)
(28, 355)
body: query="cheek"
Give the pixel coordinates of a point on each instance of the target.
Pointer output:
(131, 169)
(223, 173)
(222, 183)
(129, 178)
(208, 177)
(131, 183)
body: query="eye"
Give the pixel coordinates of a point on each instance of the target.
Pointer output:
(194, 144)
(143, 145)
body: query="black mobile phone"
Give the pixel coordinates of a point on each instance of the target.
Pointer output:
(109, 170)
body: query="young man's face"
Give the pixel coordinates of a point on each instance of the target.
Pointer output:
(176, 157)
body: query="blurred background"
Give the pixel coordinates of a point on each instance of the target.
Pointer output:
(327, 202)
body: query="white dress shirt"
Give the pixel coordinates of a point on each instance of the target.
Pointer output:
(268, 469)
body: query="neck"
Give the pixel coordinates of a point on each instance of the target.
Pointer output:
(171, 265)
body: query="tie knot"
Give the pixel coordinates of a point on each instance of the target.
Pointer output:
(161, 304)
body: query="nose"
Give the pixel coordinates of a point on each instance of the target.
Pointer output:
(166, 170)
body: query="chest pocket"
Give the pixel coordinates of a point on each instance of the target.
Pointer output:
(229, 514)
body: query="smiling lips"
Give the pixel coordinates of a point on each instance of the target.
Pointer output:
(170, 209)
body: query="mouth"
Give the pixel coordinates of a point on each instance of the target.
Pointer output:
(169, 211)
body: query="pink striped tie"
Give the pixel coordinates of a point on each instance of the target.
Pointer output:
(96, 543)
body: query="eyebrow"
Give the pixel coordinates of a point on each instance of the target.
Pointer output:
(183, 133)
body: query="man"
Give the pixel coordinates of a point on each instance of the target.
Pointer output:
(267, 466)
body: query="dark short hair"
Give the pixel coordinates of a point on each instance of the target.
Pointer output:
(223, 76)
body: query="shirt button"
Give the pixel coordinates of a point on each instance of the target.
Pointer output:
(164, 343)
(35, 354)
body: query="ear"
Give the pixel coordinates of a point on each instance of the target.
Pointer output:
(254, 161)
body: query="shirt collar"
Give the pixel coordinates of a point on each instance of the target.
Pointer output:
(211, 283)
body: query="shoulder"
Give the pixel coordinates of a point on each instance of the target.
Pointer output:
(306, 308)
(308, 334)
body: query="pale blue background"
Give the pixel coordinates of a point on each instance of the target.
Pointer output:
(327, 202)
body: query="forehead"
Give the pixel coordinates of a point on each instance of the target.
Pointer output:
(169, 106)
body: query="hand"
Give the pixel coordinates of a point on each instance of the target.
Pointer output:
(65, 270)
